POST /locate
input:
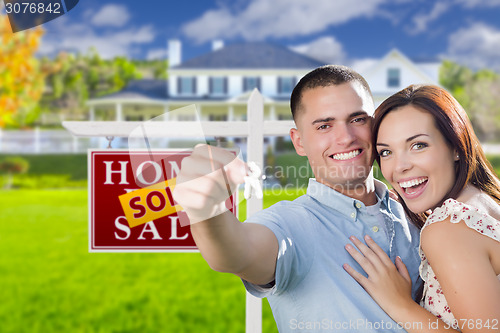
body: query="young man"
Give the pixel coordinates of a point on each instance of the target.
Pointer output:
(293, 252)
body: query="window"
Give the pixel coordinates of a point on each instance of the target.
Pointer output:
(251, 82)
(285, 117)
(286, 85)
(393, 77)
(218, 85)
(186, 117)
(186, 85)
(217, 117)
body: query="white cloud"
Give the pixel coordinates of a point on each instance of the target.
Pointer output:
(263, 19)
(479, 3)
(156, 54)
(421, 21)
(111, 16)
(362, 66)
(326, 49)
(477, 46)
(66, 35)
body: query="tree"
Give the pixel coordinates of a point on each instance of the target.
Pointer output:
(73, 79)
(21, 80)
(484, 105)
(479, 94)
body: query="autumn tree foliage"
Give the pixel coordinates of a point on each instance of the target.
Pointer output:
(21, 81)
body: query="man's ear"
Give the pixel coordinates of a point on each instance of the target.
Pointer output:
(297, 141)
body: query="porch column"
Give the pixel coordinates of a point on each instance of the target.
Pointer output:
(119, 112)
(200, 113)
(272, 116)
(75, 144)
(230, 116)
(272, 112)
(166, 115)
(92, 113)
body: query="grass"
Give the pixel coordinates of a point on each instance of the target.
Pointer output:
(70, 171)
(50, 283)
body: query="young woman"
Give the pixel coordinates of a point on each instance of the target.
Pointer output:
(428, 152)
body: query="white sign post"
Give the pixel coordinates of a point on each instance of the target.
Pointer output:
(254, 129)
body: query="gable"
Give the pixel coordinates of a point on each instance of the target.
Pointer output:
(397, 64)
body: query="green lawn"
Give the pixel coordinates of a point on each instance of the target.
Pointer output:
(50, 283)
(70, 171)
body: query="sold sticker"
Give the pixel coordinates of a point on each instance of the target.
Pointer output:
(150, 203)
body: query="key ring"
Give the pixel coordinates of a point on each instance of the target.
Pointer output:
(252, 181)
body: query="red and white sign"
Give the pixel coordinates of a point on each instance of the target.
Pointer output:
(131, 208)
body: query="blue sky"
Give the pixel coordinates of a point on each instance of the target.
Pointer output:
(341, 31)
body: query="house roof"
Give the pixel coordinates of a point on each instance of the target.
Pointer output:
(140, 90)
(251, 55)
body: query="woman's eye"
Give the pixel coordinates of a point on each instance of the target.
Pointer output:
(419, 145)
(384, 153)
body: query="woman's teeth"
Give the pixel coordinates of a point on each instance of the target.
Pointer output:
(412, 184)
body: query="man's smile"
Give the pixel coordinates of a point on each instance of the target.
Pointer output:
(346, 155)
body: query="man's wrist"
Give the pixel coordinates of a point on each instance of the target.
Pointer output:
(206, 213)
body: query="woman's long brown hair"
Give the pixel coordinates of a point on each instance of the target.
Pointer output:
(454, 124)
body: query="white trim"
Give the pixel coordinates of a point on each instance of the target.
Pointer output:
(239, 71)
(137, 100)
(180, 129)
(170, 102)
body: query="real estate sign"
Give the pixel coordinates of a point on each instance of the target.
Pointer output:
(131, 208)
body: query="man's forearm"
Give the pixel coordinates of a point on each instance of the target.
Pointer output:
(248, 250)
(222, 242)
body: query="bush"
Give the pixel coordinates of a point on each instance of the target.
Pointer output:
(74, 165)
(50, 171)
(11, 166)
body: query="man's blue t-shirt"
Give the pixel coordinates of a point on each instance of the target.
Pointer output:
(312, 291)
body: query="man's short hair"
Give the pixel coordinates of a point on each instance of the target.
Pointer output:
(324, 76)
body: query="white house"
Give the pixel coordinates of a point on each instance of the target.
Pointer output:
(219, 82)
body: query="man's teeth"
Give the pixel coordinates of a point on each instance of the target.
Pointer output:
(346, 156)
(413, 182)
